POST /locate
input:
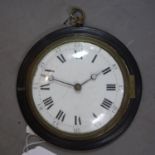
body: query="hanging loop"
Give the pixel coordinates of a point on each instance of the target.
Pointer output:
(76, 17)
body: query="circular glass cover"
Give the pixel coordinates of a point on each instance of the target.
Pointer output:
(77, 87)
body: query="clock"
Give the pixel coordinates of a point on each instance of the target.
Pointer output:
(79, 88)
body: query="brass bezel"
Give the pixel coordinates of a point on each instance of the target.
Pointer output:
(129, 88)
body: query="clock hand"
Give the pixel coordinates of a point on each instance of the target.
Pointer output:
(77, 86)
(52, 78)
(64, 82)
(92, 77)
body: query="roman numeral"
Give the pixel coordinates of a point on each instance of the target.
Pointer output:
(94, 115)
(61, 58)
(93, 60)
(75, 51)
(60, 115)
(49, 70)
(106, 104)
(77, 120)
(76, 129)
(45, 87)
(111, 87)
(107, 70)
(48, 102)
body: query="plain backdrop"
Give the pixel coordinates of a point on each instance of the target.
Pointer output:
(23, 22)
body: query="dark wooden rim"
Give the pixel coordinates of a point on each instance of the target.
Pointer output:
(128, 116)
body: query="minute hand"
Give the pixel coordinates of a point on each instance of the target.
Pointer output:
(64, 82)
(54, 79)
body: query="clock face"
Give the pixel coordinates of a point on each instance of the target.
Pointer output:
(77, 87)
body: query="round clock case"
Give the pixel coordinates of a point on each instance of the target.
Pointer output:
(129, 104)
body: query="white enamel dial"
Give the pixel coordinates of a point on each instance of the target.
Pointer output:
(77, 87)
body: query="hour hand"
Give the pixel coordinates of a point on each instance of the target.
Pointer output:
(92, 77)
